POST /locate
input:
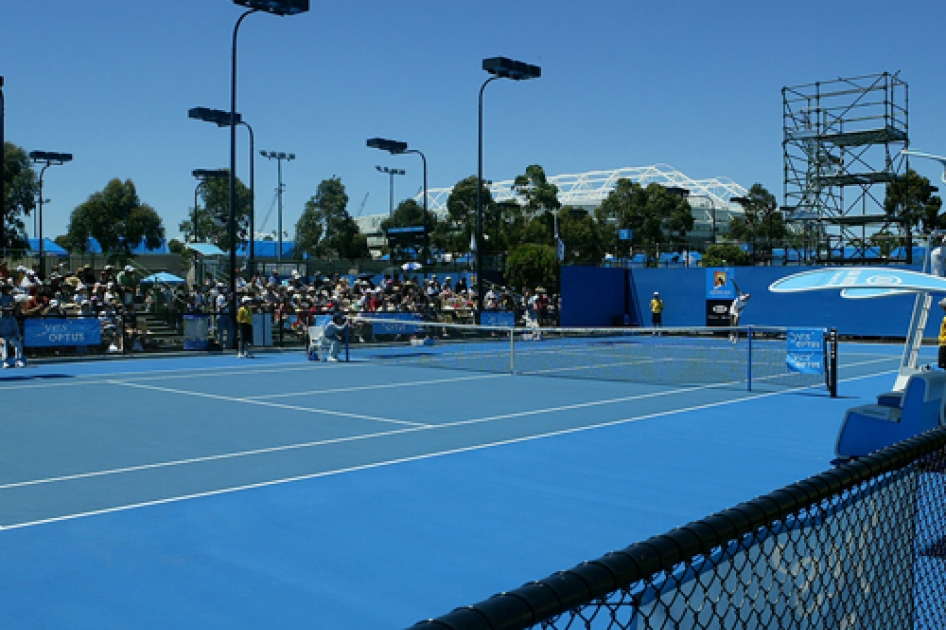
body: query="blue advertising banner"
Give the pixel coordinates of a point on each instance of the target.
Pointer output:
(400, 323)
(719, 284)
(44, 332)
(196, 331)
(805, 350)
(861, 279)
(498, 318)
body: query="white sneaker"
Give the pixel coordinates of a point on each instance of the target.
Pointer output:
(20, 363)
(239, 355)
(332, 360)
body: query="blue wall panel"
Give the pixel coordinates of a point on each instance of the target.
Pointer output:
(590, 297)
(593, 296)
(683, 293)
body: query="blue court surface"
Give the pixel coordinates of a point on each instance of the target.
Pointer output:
(276, 492)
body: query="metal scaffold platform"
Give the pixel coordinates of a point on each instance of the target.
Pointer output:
(841, 146)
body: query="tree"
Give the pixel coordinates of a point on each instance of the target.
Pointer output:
(455, 233)
(911, 203)
(531, 221)
(117, 219)
(725, 255)
(582, 236)
(326, 229)
(530, 265)
(761, 223)
(213, 218)
(654, 214)
(20, 188)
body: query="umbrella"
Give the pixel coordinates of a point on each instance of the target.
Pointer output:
(411, 266)
(162, 277)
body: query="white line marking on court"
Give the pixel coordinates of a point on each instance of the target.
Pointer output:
(83, 380)
(339, 390)
(263, 403)
(392, 462)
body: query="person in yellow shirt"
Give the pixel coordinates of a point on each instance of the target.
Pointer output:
(245, 323)
(942, 337)
(656, 310)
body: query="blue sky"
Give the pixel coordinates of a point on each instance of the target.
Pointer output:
(696, 85)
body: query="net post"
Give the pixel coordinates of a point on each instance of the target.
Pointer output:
(833, 362)
(512, 350)
(748, 358)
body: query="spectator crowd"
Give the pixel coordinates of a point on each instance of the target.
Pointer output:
(117, 298)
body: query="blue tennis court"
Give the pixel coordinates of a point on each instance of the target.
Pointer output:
(277, 492)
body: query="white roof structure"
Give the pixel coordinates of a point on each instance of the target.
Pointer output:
(588, 190)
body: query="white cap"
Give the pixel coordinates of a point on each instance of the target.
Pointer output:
(129, 268)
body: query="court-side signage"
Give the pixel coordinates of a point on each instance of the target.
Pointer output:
(719, 284)
(400, 323)
(196, 329)
(498, 318)
(860, 278)
(45, 332)
(805, 350)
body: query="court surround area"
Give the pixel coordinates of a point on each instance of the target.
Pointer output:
(278, 492)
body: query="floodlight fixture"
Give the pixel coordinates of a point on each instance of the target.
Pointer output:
(210, 173)
(511, 69)
(216, 116)
(276, 7)
(51, 158)
(391, 146)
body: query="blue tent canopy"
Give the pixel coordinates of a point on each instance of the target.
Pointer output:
(92, 246)
(49, 248)
(162, 277)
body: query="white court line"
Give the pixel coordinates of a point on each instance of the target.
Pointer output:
(108, 378)
(263, 403)
(358, 388)
(402, 460)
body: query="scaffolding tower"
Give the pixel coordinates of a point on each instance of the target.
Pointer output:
(841, 146)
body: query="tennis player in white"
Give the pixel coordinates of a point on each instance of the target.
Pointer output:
(735, 311)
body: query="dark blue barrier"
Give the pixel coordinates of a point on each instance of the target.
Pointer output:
(43, 332)
(594, 296)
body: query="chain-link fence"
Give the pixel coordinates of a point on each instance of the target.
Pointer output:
(860, 546)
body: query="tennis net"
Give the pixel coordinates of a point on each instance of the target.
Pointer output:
(757, 358)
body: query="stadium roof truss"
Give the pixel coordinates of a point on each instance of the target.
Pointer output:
(588, 190)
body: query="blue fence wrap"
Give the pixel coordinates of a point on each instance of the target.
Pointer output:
(42, 332)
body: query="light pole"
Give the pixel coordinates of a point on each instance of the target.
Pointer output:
(279, 157)
(50, 159)
(500, 68)
(398, 148)
(276, 7)
(391, 172)
(203, 175)
(222, 119)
